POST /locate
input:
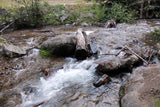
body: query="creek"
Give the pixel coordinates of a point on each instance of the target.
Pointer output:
(69, 83)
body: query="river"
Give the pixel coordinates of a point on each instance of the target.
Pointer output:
(70, 82)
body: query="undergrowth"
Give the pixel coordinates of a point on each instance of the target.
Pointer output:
(156, 33)
(33, 13)
(156, 102)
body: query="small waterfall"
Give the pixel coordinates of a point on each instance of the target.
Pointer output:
(72, 73)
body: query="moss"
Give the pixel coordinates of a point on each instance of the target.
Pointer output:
(45, 53)
(2, 40)
(122, 92)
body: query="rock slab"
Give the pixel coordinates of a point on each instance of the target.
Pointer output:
(10, 50)
(142, 87)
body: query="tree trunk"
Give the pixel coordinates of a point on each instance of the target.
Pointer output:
(141, 10)
(81, 48)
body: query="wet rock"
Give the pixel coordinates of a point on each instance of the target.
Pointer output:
(110, 24)
(62, 45)
(115, 64)
(142, 86)
(10, 50)
(84, 24)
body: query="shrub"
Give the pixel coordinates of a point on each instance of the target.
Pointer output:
(156, 102)
(29, 14)
(2, 40)
(54, 14)
(100, 15)
(120, 13)
(156, 33)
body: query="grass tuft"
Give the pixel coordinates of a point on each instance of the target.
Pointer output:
(45, 53)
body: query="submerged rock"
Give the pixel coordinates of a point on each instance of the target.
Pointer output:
(142, 88)
(63, 45)
(10, 50)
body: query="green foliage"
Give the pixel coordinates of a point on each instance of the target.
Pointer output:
(29, 14)
(151, 8)
(54, 14)
(156, 33)
(2, 40)
(156, 102)
(120, 13)
(100, 15)
(45, 53)
(5, 16)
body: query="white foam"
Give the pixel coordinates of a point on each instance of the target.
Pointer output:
(72, 73)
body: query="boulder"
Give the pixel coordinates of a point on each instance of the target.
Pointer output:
(84, 24)
(114, 64)
(110, 24)
(61, 45)
(10, 50)
(142, 87)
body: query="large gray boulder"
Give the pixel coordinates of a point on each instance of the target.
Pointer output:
(142, 88)
(10, 50)
(114, 64)
(61, 45)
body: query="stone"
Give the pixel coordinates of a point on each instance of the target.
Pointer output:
(84, 24)
(110, 24)
(115, 64)
(141, 88)
(10, 50)
(61, 45)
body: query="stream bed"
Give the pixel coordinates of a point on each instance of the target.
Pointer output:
(68, 82)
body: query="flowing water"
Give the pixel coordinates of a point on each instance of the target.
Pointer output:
(80, 73)
(69, 82)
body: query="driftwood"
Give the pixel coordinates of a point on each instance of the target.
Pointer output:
(137, 55)
(104, 79)
(6, 27)
(127, 48)
(116, 53)
(81, 47)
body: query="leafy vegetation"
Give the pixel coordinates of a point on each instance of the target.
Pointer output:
(156, 102)
(45, 53)
(2, 40)
(30, 14)
(156, 33)
(120, 13)
(34, 13)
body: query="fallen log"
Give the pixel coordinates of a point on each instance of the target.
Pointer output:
(81, 51)
(137, 55)
(6, 27)
(104, 79)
